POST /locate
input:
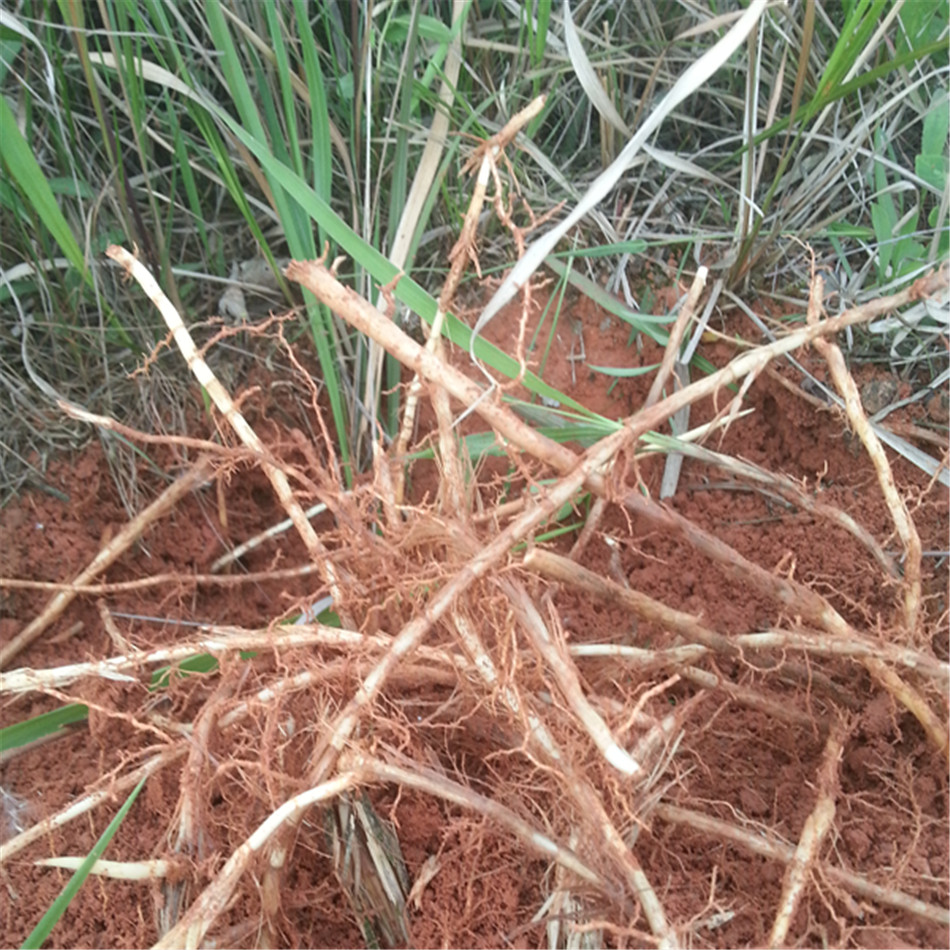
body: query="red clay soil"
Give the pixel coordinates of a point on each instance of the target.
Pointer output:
(735, 763)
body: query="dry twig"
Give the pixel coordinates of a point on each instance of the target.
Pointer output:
(108, 555)
(756, 842)
(817, 826)
(202, 372)
(848, 390)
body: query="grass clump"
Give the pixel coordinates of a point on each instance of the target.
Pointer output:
(436, 159)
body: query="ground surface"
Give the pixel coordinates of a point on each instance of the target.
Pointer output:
(733, 762)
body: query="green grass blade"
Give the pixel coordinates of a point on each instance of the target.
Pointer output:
(200, 663)
(46, 724)
(407, 290)
(321, 152)
(186, 172)
(275, 30)
(865, 80)
(623, 372)
(297, 229)
(932, 164)
(399, 181)
(49, 920)
(9, 51)
(23, 168)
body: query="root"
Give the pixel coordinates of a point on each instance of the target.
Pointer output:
(456, 635)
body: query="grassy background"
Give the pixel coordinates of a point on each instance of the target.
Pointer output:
(221, 138)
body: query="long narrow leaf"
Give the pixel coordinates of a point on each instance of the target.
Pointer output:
(22, 733)
(49, 920)
(382, 270)
(18, 158)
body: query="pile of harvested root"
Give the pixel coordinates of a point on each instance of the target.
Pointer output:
(455, 600)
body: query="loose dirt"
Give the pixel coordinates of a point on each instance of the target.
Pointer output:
(742, 765)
